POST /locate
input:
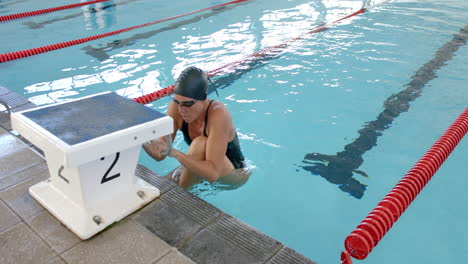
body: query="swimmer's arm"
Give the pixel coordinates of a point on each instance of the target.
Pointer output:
(154, 147)
(216, 145)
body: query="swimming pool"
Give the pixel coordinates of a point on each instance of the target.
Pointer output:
(314, 98)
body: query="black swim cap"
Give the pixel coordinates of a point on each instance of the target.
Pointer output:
(192, 83)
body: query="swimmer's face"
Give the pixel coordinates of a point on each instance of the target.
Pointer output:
(189, 108)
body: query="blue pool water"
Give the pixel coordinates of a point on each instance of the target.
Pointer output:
(314, 98)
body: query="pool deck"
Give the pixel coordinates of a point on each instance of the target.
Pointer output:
(177, 227)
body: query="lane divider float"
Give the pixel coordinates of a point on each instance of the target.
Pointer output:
(47, 10)
(371, 230)
(30, 52)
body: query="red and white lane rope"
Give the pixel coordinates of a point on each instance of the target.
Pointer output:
(48, 10)
(371, 230)
(30, 52)
(145, 99)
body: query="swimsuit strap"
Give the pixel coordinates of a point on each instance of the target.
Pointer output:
(206, 119)
(233, 151)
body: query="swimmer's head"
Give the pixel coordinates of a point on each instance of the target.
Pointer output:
(192, 83)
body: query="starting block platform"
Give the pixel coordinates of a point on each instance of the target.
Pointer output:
(92, 145)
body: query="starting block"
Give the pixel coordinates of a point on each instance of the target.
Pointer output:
(92, 145)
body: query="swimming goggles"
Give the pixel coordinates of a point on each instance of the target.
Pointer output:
(184, 103)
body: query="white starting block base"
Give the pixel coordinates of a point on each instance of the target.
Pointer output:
(92, 158)
(83, 222)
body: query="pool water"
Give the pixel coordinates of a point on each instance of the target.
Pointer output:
(315, 97)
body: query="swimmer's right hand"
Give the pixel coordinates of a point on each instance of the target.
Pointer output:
(155, 148)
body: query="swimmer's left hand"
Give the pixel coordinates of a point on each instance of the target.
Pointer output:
(154, 148)
(174, 153)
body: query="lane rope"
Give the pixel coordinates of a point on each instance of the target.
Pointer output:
(30, 52)
(145, 99)
(47, 10)
(365, 237)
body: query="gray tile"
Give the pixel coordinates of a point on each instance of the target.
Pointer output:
(56, 260)
(19, 199)
(22, 175)
(7, 217)
(125, 242)
(190, 205)
(166, 222)
(208, 248)
(174, 257)
(17, 162)
(3, 90)
(289, 256)
(22, 107)
(164, 185)
(9, 144)
(20, 245)
(14, 100)
(245, 237)
(56, 235)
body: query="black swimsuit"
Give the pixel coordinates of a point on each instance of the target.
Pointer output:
(233, 151)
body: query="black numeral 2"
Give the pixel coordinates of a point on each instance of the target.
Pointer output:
(105, 178)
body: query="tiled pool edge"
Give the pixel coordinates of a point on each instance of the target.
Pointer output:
(177, 227)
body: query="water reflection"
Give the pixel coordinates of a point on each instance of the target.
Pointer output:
(134, 79)
(283, 24)
(100, 16)
(100, 52)
(86, 10)
(215, 50)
